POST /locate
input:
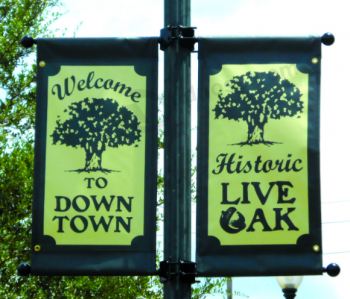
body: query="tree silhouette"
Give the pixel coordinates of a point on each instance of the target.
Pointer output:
(256, 97)
(94, 124)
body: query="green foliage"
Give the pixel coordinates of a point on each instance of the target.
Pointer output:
(209, 286)
(17, 77)
(16, 173)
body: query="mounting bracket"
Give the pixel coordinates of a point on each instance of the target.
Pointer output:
(183, 34)
(185, 270)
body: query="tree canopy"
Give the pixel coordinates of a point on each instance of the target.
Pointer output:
(17, 76)
(255, 98)
(94, 124)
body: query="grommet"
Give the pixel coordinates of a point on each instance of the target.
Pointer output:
(42, 63)
(316, 248)
(314, 60)
(37, 247)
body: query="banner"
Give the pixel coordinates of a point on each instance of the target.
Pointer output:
(258, 178)
(95, 181)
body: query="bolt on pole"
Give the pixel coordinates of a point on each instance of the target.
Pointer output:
(177, 148)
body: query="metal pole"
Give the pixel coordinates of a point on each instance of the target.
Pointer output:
(177, 149)
(229, 289)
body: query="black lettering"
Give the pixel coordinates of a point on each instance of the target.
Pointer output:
(122, 87)
(75, 204)
(285, 218)
(284, 192)
(287, 164)
(102, 221)
(280, 165)
(123, 223)
(229, 163)
(104, 183)
(224, 196)
(259, 216)
(245, 193)
(108, 84)
(294, 165)
(98, 87)
(60, 222)
(89, 79)
(66, 85)
(267, 166)
(80, 85)
(238, 168)
(261, 196)
(222, 164)
(249, 167)
(89, 181)
(58, 204)
(135, 95)
(60, 96)
(257, 162)
(102, 202)
(74, 227)
(125, 204)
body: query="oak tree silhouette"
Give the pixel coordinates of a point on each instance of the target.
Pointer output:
(93, 124)
(255, 98)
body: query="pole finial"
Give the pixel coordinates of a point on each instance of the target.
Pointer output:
(27, 41)
(328, 39)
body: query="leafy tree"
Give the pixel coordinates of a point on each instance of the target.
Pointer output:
(98, 123)
(255, 98)
(17, 77)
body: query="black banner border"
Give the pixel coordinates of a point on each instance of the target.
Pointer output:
(259, 260)
(140, 257)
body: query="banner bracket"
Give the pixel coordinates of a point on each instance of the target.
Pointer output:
(183, 34)
(185, 270)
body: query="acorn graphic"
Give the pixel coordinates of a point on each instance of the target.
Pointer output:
(232, 221)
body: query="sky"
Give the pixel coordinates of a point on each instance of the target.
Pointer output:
(136, 18)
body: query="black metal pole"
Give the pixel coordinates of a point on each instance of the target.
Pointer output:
(177, 149)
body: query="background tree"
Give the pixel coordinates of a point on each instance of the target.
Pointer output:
(17, 76)
(94, 124)
(255, 98)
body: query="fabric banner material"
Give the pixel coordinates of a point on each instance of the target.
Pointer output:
(258, 178)
(95, 181)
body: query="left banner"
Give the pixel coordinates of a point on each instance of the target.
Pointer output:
(95, 179)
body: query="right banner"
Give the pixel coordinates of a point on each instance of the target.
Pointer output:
(258, 170)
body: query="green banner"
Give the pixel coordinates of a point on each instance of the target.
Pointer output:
(95, 183)
(258, 157)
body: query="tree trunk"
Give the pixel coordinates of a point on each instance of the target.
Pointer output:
(93, 159)
(255, 132)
